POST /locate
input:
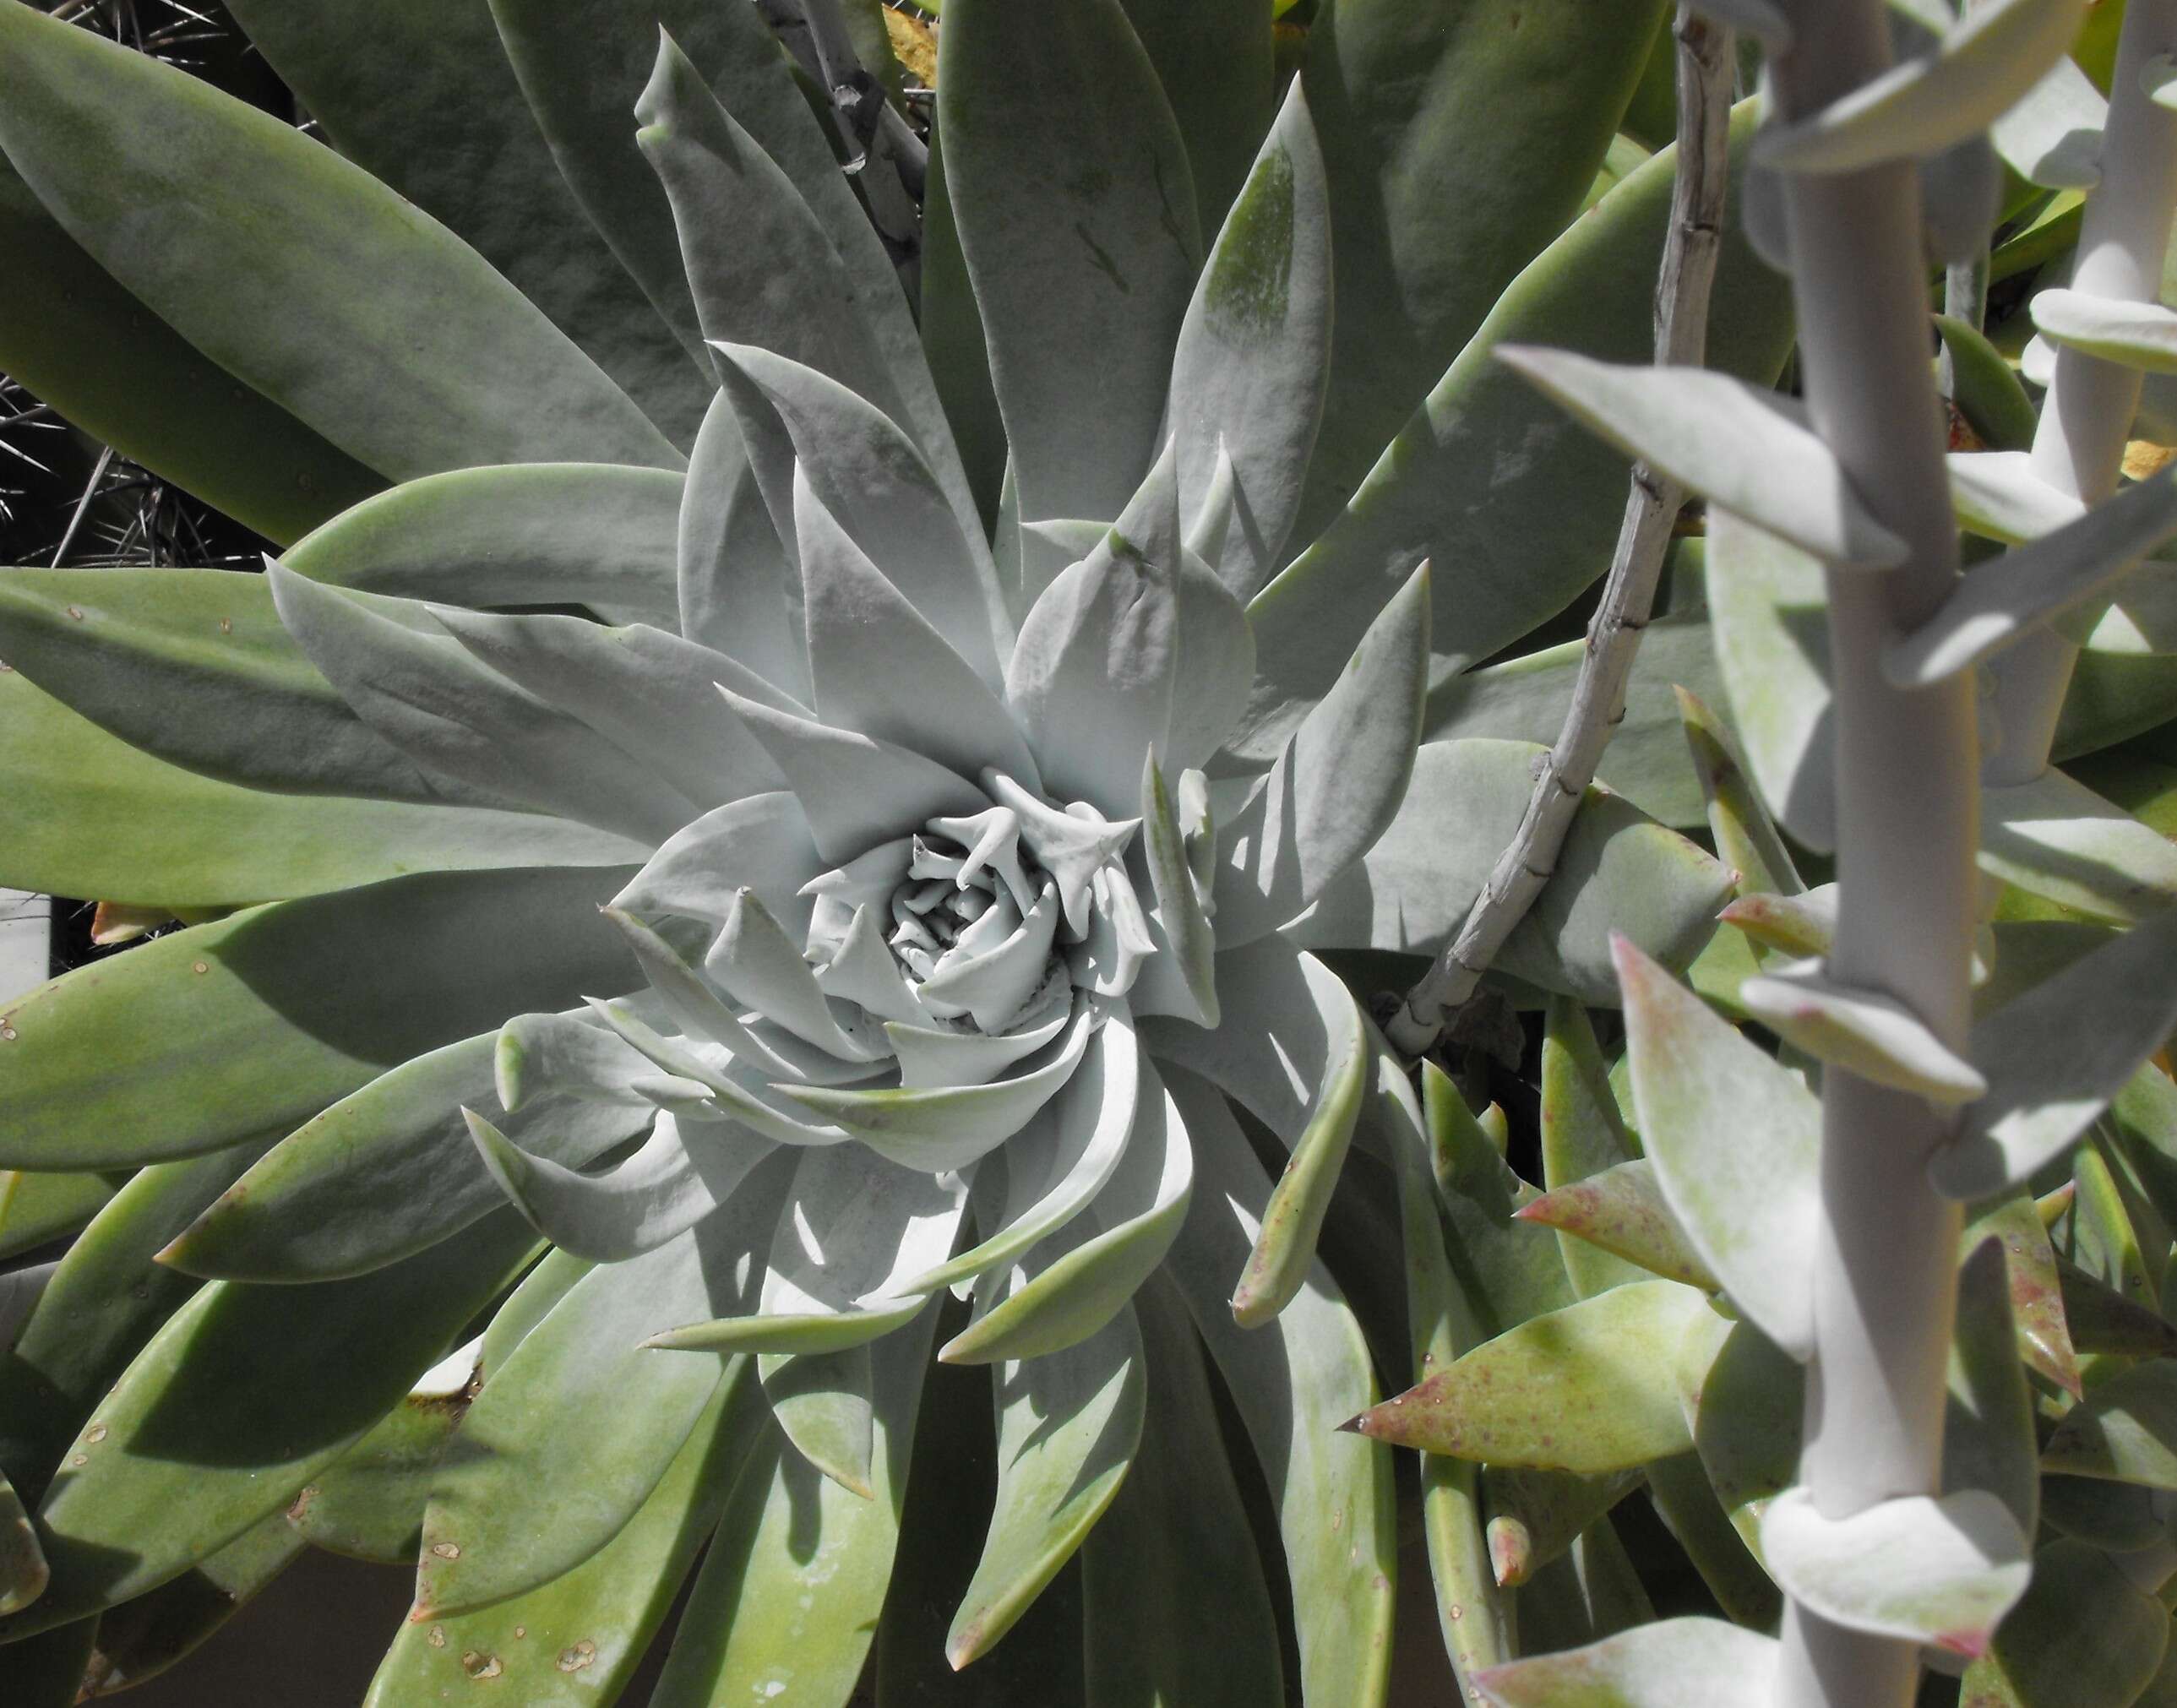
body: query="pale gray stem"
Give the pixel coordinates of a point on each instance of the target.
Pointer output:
(1965, 297)
(2078, 446)
(1705, 75)
(1885, 1271)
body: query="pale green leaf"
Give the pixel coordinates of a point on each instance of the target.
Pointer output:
(1987, 61)
(2136, 335)
(2084, 1632)
(1068, 1424)
(1736, 1140)
(441, 365)
(1679, 1663)
(2057, 838)
(1865, 1031)
(200, 1039)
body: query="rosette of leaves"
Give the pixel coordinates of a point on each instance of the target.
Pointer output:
(898, 692)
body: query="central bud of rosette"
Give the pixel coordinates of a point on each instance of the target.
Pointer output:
(982, 924)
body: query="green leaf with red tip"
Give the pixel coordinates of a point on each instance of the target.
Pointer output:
(1624, 1211)
(2037, 1302)
(1593, 1388)
(1535, 1516)
(1583, 1136)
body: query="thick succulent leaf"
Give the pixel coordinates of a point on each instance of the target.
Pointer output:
(1592, 1593)
(1736, 1140)
(1618, 870)
(1536, 1517)
(220, 1032)
(194, 667)
(2000, 603)
(738, 591)
(761, 268)
(2055, 1056)
(36, 1208)
(1982, 65)
(1057, 1164)
(1293, 1381)
(143, 1638)
(1677, 1663)
(646, 692)
(1583, 1137)
(387, 1171)
(418, 685)
(1147, 1599)
(1688, 1502)
(2051, 135)
(577, 1640)
(1068, 1287)
(856, 792)
(1988, 1439)
(822, 1405)
(1082, 277)
(1869, 1033)
(23, 1570)
(369, 1503)
(1506, 1270)
(1248, 377)
(865, 471)
(1998, 496)
(1747, 450)
(1623, 1211)
(567, 1440)
(678, 1177)
(582, 62)
(1283, 1253)
(1516, 502)
(419, 94)
(1590, 1388)
(1746, 1411)
(1987, 391)
(200, 1440)
(1746, 837)
(590, 533)
(794, 1579)
(1940, 1571)
(1338, 784)
(2137, 335)
(1472, 1616)
(443, 365)
(855, 1234)
(1189, 941)
(2056, 838)
(2037, 1304)
(879, 666)
(2107, 1320)
(83, 812)
(103, 1300)
(1068, 1424)
(1091, 679)
(2125, 1430)
(1498, 110)
(72, 335)
(2084, 1633)
(761, 846)
(950, 1126)
(1769, 612)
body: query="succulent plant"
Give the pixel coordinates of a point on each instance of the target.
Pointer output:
(1829, 1297)
(981, 734)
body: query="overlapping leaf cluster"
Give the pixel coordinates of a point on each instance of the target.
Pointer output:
(1646, 1313)
(971, 726)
